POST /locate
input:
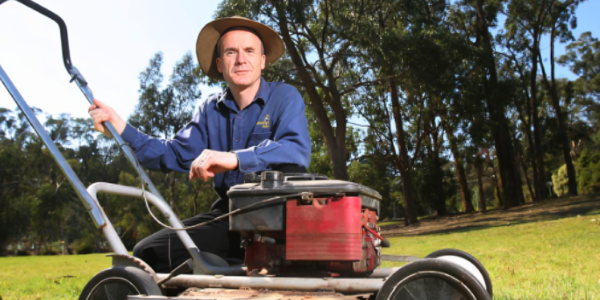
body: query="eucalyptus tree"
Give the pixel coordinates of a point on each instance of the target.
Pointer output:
(527, 22)
(319, 37)
(162, 112)
(513, 67)
(475, 18)
(561, 20)
(583, 58)
(413, 59)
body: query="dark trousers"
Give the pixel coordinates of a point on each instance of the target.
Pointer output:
(163, 250)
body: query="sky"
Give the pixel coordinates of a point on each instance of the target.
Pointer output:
(112, 42)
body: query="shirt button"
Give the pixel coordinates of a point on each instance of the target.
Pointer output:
(239, 116)
(237, 140)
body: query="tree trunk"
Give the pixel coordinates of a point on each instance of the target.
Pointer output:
(439, 200)
(527, 130)
(402, 163)
(511, 182)
(497, 180)
(524, 167)
(562, 131)
(540, 191)
(480, 192)
(459, 169)
(335, 142)
(440, 203)
(64, 240)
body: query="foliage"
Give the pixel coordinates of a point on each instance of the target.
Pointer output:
(583, 58)
(588, 172)
(560, 181)
(38, 206)
(401, 96)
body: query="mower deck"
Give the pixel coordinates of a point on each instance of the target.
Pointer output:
(246, 293)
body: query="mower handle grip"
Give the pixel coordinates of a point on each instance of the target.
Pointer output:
(64, 38)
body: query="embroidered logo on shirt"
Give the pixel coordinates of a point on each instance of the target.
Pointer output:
(265, 123)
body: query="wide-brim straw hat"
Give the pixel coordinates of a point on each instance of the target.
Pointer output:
(210, 33)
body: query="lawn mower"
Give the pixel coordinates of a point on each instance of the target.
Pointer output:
(305, 236)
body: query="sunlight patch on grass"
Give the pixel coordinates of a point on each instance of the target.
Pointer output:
(48, 277)
(558, 259)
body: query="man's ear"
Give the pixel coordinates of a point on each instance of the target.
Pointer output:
(219, 65)
(263, 61)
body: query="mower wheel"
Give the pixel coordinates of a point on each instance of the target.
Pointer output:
(117, 283)
(432, 278)
(468, 262)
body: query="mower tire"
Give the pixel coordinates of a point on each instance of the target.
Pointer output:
(117, 283)
(432, 278)
(468, 262)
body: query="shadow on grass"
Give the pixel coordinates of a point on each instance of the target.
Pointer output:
(548, 210)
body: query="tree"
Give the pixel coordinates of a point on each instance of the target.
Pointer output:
(162, 112)
(318, 37)
(510, 179)
(583, 59)
(561, 13)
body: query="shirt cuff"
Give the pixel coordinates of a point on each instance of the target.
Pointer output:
(129, 134)
(246, 159)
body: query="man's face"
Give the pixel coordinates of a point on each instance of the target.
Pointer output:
(241, 59)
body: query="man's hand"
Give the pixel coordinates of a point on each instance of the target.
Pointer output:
(212, 162)
(101, 113)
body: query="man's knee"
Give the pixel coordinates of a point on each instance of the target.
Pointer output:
(138, 250)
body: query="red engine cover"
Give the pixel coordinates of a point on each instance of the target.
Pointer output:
(328, 229)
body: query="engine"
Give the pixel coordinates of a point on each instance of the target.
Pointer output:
(306, 225)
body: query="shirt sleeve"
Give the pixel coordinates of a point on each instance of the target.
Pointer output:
(175, 154)
(290, 143)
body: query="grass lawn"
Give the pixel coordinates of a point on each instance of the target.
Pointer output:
(557, 259)
(48, 277)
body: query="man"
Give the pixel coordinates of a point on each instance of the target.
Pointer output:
(253, 126)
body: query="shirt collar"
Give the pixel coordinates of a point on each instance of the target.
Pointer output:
(262, 95)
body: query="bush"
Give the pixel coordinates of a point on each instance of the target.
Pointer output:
(84, 246)
(588, 172)
(560, 181)
(21, 253)
(48, 251)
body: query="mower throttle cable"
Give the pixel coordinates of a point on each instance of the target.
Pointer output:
(303, 195)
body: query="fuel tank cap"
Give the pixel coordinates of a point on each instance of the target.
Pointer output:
(271, 179)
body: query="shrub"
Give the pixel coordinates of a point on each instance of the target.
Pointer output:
(588, 172)
(560, 181)
(84, 246)
(48, 251)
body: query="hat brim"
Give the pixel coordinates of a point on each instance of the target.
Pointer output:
(209, 35)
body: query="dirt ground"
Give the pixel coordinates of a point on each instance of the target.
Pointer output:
(550, 209)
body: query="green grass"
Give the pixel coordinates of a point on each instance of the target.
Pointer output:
(47, 277)
(384, 223)
(557, 259)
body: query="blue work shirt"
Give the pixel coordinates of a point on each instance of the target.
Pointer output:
(269, 131)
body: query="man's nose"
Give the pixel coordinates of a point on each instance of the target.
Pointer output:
(241, 57)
